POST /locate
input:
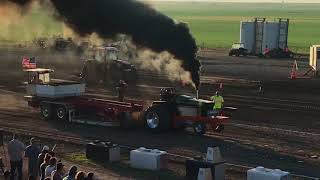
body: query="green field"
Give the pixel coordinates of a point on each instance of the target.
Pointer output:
(36, 23)
(216, 25)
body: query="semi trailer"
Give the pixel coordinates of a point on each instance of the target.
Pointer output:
(66, 101)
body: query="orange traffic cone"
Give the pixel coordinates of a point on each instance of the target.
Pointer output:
(293, 75)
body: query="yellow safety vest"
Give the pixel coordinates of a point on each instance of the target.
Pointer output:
(218, 101)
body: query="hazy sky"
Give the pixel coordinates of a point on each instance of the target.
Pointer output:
(255, 1)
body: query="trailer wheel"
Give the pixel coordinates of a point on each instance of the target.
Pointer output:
(61, 113)
(158, 117)
(45, 111)
(125, 120)
(219, 128)
(199, 128)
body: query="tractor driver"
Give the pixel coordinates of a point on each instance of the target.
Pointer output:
(218, 104)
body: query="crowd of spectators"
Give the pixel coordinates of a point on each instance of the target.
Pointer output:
(42, 164)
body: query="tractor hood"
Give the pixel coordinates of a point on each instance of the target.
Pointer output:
(201, 104)
(189, 100)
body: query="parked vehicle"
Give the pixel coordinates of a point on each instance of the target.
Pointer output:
(238, 49)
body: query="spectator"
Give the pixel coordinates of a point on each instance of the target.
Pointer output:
(80, 175)
(1, 137)
(1, 166)
(15, 150)
(6, 175)
(44, 165)
(58, 173)
(72, 173)
(89, 176)
(41, 156)
(32, 152)
(51, 167)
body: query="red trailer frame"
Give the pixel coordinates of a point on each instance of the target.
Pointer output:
(108, 109)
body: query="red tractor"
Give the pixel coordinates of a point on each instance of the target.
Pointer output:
(178, 111)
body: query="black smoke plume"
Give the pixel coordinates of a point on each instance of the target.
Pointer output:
(148, 27)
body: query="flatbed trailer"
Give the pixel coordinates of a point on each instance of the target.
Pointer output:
(85, 109)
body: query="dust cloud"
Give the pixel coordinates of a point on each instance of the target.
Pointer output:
(164, 63)
(20, 25)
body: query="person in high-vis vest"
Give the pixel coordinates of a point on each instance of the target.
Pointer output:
(218, 104)
(218, 101)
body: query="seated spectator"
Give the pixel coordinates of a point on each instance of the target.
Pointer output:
(72, 173)
(51, 167)
(80, 175)
(58, 173)
(44, 166)
(89, 176)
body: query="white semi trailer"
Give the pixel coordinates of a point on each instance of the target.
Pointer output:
(259, 35)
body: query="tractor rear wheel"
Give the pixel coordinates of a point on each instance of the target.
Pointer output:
(46, 111)
(158, 117)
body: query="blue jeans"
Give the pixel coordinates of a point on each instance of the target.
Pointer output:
(214, 112)
(16, 165)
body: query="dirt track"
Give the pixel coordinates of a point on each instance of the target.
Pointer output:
(249, 145)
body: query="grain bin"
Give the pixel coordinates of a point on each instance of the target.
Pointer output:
(283, 33)
(247, 29)
(270, 35)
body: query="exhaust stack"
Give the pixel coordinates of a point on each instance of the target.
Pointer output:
(197, 94)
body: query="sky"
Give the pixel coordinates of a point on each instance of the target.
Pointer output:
(253, 1)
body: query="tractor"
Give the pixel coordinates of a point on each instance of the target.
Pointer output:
(174, 111)
(61, 44)
(238, 49)
(103, 65)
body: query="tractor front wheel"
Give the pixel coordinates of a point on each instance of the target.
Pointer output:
(199, 128)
